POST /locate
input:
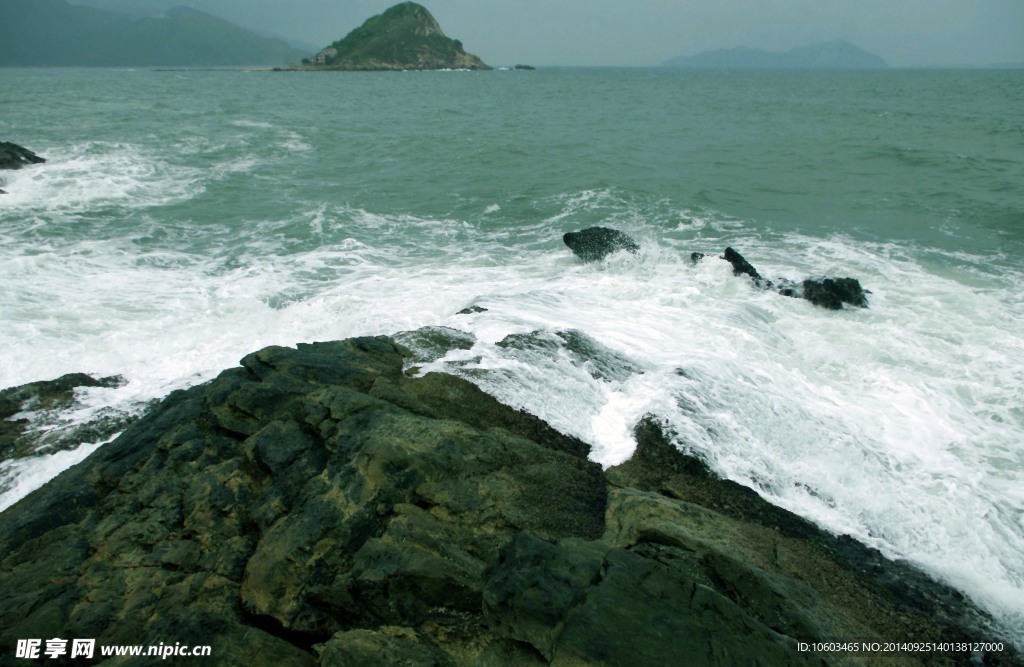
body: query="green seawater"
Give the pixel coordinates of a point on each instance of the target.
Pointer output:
(929, 157)
(187, 218)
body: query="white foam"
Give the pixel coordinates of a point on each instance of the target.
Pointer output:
(82, 177)
(27, 475)
(248, 123)
(899, 424)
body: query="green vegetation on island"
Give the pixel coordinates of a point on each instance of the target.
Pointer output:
(405, 37)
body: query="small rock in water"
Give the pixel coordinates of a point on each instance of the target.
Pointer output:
(832, 293)
(471, 310)
(595, 243)
(696, 257)
(829, 293)
(740, 265)
(13, 156)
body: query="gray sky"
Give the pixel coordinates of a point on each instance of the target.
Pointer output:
(906, 33)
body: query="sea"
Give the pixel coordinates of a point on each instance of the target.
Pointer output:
(186, 218)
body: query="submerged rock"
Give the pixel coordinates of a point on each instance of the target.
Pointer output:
(13, 156)
(601, 362)
(595, 243)
(428, 344)
(51, 397)
(318, 506)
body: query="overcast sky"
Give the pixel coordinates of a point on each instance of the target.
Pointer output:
(906, 33)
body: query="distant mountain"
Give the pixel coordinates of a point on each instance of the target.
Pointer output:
(55, 33)
(828, 55)
(219, 8)
(404, 37)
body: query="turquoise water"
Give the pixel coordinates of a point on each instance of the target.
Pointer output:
(187, 218)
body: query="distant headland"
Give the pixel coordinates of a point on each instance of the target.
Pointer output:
(838, 54)
(56, 33)
(404, 37)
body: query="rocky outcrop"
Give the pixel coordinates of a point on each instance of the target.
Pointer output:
(832, 293)
(405, 37)
(539, 348)
(829, 293)
(596, 243)
(34, 419)
(320, 506)
(48, 397)
(740, 266)
(13, 156)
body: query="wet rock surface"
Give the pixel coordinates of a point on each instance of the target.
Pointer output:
(830, 293)
(48, 400)
(596, 243)
(320, 506)
(13, 156)
(583, 351)
(741, 266)
(431, 343)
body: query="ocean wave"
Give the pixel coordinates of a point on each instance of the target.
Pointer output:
(83, 177)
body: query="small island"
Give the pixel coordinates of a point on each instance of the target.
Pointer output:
(404, 37)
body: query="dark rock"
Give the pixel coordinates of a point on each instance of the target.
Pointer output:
(596, 243)
(13, 156)
(832, 293)
(600, 361)
(730, 539)
(319, 506)
(741, 266)
(50, 399)
(535, 586)
(696, 257)
(428, 344)
(829, 293)
(312, 492)
(525, 67)
(470, 310)
(389, 645)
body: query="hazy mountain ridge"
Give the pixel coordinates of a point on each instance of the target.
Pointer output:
(55, 33)
(838, 54)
